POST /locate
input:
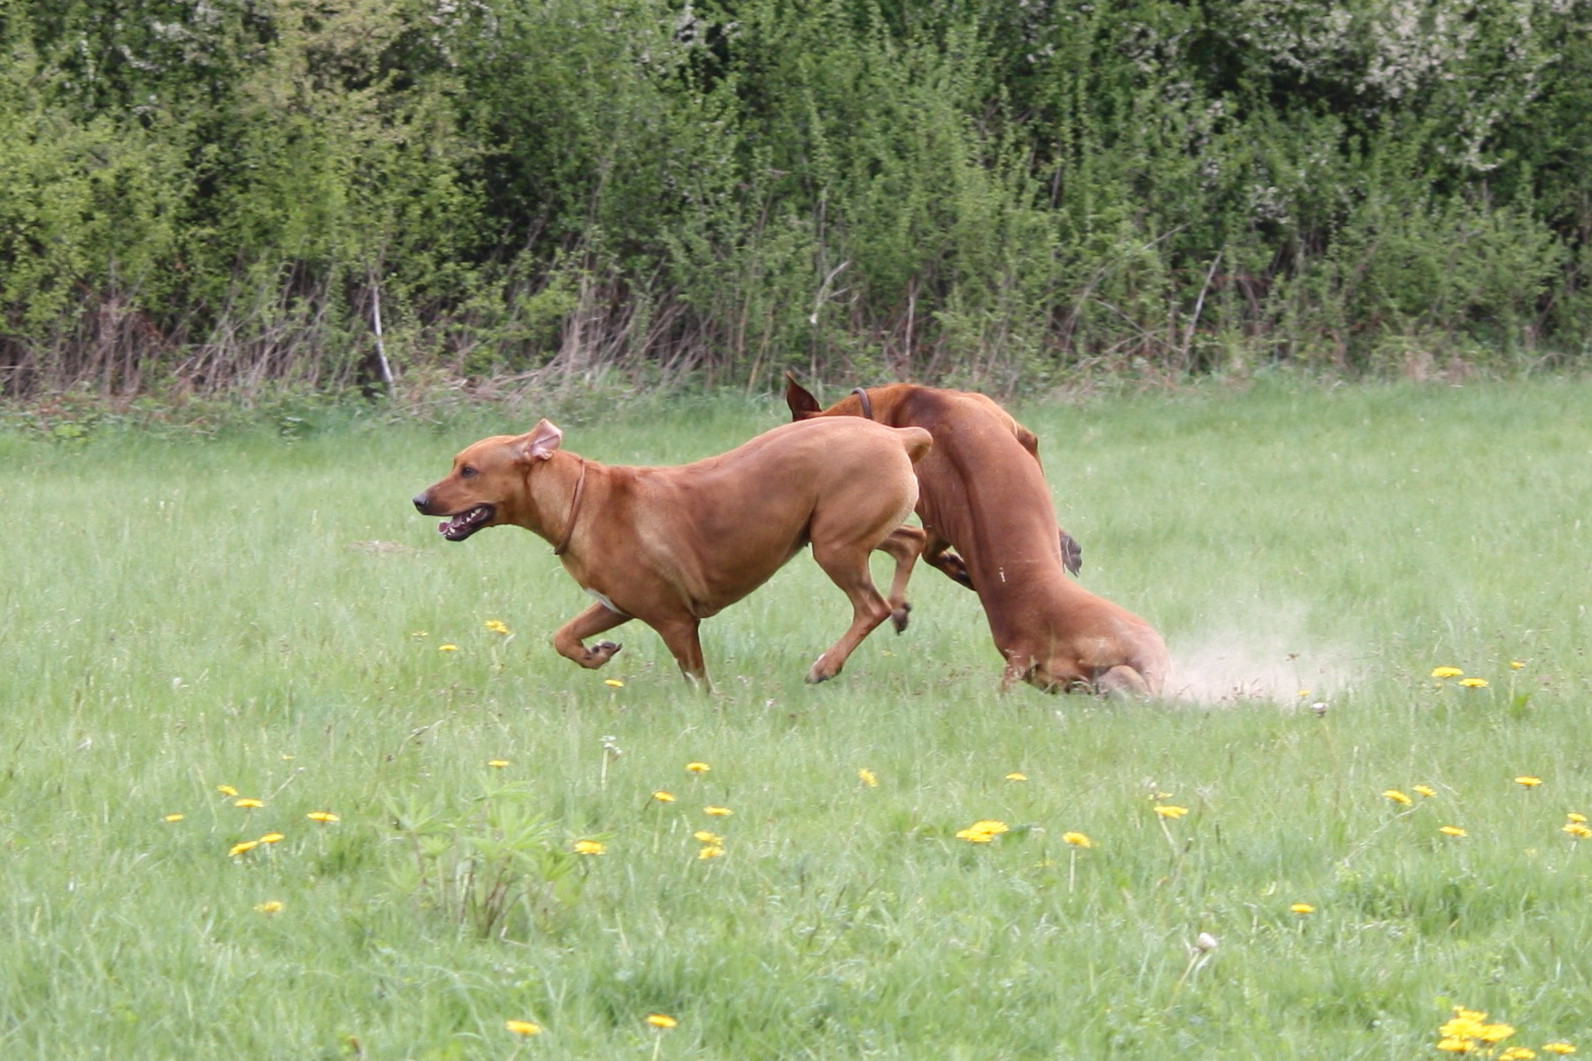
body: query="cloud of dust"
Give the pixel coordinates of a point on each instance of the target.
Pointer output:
(1280, 665)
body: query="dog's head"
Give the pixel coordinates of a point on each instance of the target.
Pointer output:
(489, 482)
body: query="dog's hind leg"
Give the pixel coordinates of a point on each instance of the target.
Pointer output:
(1123, 680)
(847, 566)
(905, 545)
(569, 639)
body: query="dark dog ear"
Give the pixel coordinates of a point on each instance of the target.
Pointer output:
(801, 403)
(540, 443)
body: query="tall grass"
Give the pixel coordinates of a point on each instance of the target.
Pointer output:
(267, 614)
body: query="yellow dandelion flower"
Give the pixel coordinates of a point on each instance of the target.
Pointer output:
(226, 790)
(982, 832)
(702, 836)
(1517, 1053)
(1575, 817)
(447, 648)
(1495, 1033)
(1397, 797)
(1528, 782)
(1473, 683)
(1516, 664)
(1560, 1048)
(1077, 840)
(867, 778)
(1461, 1028)
(613, 683)
(523, 1027)
(661, 1020)
(1577, 829)
(1014, 776)
(590, 847)
(1451, 830)
(175, 817)
(698, 768)
(1454, 1045)
(273, 906)
(711, 851)
(1167, 810)
(718, 812)
(271, 838)
(326, 817)
(663, 797)
(1301, 909)
(497, 626)
(242, 847)
(1446, 672)
(248, 804)
(497, 764)
(1426, 790)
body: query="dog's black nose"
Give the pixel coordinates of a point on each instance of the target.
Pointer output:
(421, 503)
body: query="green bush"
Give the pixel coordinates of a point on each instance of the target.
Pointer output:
(226, 196)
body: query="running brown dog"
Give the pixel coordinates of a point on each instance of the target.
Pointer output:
(983, 493)
(673, 545)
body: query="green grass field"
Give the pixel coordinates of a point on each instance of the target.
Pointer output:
(190, 623)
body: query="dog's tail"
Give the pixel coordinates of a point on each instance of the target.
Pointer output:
(915, 440)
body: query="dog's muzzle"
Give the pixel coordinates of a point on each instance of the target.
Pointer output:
(459, 525)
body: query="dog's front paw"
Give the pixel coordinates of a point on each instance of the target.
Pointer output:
(601, 653)
(900, 616)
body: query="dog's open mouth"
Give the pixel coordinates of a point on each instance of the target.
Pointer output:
(458, 528)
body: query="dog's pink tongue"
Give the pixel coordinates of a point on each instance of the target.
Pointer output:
(442, 528)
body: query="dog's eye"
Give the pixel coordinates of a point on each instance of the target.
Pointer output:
(467, 472)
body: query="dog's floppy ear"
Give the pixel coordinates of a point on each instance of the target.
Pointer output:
(540, 442)
(801, 403)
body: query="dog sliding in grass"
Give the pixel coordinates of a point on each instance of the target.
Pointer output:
(984, 495)
(673, 545)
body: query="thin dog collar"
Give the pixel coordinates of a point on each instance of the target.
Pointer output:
(574, 510)
(867, 406)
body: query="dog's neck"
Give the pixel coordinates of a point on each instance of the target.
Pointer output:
(574, 510)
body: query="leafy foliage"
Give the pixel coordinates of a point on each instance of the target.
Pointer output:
(226, 195)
